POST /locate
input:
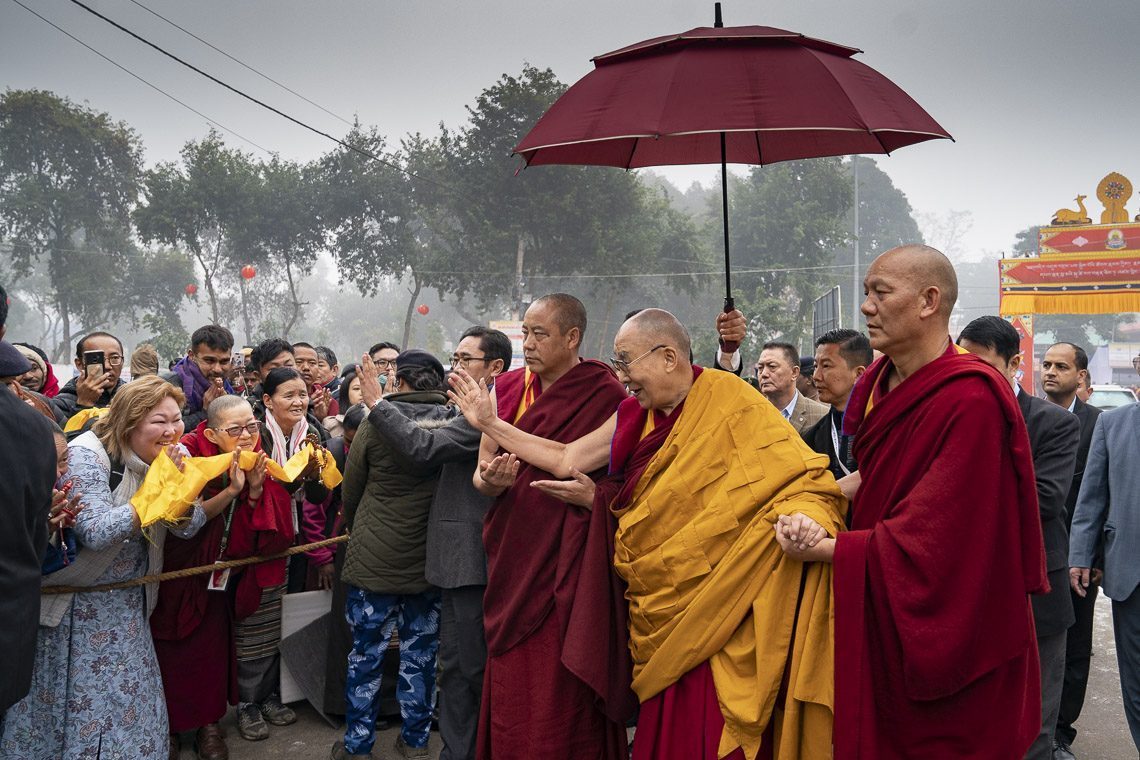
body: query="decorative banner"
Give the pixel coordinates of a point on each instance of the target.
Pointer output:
(1088, 238)
(1090, 284)
(1023, 323)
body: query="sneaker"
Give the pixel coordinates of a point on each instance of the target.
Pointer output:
(1062, 751)
(340, 753)
(277, 713)
(411, 753)
(251, 725)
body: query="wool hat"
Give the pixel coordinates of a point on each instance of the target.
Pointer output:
(33, 356)
(12, 362)
(415, 357)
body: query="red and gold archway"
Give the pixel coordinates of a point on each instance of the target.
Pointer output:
(1081, 267)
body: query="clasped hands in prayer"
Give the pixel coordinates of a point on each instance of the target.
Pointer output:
(803, 538)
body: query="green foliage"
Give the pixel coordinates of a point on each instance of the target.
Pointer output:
(786, 221)
(68, 178)
(204, 206)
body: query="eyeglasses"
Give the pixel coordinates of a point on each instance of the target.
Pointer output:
(115, 360)
(384, 363)
(459, 360)
(237, 430)
(621, 365)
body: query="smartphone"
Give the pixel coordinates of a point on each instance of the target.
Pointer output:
(94, 363)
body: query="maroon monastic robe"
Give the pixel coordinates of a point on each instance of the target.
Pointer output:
(935, 649)
(552, 687)
(192, 627)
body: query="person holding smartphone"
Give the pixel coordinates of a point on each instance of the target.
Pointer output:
(99, 360)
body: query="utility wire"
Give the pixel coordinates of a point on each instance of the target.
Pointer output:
(240, 62)
(252, 99)
(153, 86)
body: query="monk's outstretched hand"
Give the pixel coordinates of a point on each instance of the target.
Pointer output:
(500, 472)
(579, 491)
(473, 399)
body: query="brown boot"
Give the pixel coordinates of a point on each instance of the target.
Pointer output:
(210, 744)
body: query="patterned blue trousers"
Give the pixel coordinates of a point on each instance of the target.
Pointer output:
(374, 618)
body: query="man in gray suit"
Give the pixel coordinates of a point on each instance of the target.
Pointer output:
(1107, 518)
(777, 370)
(1063, 370)
(456, 560)
(1054, 435)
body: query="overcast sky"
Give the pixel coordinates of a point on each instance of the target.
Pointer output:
(1039, 94)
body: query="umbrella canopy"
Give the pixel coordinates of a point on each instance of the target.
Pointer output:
(745, 94)
(775, 95)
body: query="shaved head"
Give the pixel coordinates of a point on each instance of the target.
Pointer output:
(567, 310)
(925, 267)
(658, 326)
(652, 357)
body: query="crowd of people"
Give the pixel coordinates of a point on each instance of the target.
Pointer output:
(886, 549)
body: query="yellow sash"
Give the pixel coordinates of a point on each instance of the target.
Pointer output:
(708, 582)
(167, 493)
(80, 418)
(527, 397)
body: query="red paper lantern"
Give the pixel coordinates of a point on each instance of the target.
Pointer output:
(248, 272)
(423, 309)
(191, 289)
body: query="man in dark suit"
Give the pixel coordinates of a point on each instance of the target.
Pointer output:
(27, 453)
(1054, 435)
(456, 560)
(841, 358)
(1063, 371)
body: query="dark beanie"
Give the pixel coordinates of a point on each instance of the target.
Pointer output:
(13, 363)
(415, 357)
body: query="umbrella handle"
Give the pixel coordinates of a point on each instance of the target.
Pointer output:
(729, 346)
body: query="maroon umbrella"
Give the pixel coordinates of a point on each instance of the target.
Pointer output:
(746, 94)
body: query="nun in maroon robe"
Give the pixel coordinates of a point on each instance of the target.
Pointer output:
(193, 628)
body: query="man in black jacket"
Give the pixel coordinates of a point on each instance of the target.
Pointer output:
(841, 358)
(1064, 369)
(29, 465)
(456, 560)
(84, 392)
(1054, 436)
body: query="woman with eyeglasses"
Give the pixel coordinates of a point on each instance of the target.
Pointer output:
(284, 429)
(194, 623)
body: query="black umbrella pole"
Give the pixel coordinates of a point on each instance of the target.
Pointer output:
(728, 303)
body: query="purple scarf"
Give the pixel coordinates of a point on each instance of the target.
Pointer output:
(194, 383)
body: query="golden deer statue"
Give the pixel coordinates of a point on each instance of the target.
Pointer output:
(1068, 216)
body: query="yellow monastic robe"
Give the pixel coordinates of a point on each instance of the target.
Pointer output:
(707, 580)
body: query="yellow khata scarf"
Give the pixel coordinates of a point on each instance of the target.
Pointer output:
(167, 493)
(708, 582)
(80, 418)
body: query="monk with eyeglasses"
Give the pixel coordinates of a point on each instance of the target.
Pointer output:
(729, 638)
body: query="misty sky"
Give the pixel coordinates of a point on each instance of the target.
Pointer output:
(1040, 95)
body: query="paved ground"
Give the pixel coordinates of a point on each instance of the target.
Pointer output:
(1103, 731)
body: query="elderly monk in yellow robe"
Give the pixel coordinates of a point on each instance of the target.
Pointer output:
(731, 639)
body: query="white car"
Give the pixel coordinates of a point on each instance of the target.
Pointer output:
(1111, 396)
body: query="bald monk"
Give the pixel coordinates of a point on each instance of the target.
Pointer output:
(547, 693)
(730, 639)
(935, 647)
